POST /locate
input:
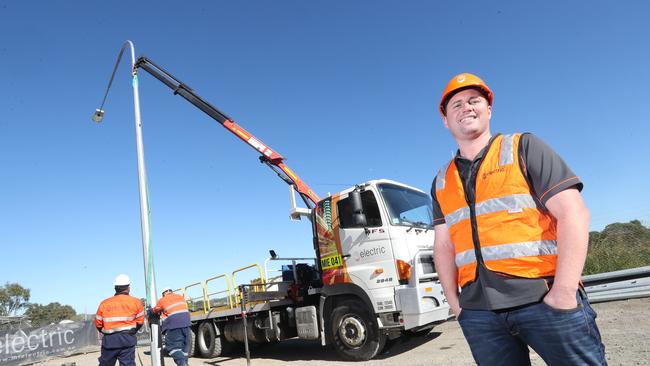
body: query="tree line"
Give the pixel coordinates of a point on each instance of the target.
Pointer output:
(14, 300)
(618, 246)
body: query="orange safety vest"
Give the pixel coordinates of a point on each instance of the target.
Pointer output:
(171, 304)
(119, 313)
(515, 237)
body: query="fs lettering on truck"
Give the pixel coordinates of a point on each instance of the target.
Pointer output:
(371, 279)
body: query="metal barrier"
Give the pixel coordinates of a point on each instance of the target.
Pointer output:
(618, 285)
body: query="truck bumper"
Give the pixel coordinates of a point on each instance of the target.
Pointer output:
(422, 305)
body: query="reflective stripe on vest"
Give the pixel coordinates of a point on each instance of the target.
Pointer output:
(118, 329)
(176, 312)
(174, 304)
(440, 180)
(512, 203)
(515, 237)
(507, 155)
(120, 318)
(516, 250)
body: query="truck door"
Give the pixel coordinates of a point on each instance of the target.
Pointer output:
(367, 250)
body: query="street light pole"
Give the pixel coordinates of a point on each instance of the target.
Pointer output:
(149, 273)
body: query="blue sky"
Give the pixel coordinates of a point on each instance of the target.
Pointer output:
(345, 90)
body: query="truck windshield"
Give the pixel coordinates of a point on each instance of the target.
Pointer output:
(407, 207)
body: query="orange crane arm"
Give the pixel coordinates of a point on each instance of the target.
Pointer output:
(270, 157)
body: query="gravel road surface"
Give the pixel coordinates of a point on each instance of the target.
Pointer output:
(624, 325)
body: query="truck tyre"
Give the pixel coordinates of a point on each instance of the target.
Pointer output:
(208, 343)
(192, 346)
(353, 331)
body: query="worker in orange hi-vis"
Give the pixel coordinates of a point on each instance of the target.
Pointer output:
(511, 238)
(118, 318)
(175, 318)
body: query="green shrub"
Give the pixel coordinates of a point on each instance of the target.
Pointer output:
(618, 246)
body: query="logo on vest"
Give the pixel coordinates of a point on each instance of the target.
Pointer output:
(489, 173)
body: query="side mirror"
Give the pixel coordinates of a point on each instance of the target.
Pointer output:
(358, 217)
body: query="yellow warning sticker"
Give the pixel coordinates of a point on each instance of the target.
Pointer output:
(331, 261)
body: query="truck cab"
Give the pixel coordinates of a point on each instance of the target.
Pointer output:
(375, 245)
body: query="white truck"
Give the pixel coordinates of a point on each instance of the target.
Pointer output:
(372, 277)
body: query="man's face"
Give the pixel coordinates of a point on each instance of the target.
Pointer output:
(468, 115)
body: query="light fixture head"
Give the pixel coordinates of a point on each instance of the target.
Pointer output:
(98, 115)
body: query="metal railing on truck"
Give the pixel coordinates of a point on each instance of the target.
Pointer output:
(257, 284)
(192, 302)
(210, 300)
(225, 297)
(217, 303)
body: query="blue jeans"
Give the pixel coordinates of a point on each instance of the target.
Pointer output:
(109, 356)
(177, 344)
(560, 337)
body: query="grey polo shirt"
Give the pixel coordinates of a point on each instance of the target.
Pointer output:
(547, 174)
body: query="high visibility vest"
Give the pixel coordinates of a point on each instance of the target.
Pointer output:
(171, 304)
(119, 313)
(515, 237)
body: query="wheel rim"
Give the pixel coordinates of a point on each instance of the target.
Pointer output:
(204, 339)
(202, 343)
(352, 331)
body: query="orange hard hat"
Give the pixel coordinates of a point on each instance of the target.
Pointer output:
(464, 81)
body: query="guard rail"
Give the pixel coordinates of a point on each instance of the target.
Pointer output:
(618, 285)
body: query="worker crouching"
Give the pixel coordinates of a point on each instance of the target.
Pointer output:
(175, 318)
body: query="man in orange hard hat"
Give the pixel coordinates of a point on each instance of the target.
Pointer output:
(511, 231)
(118, 318)
(175, 318)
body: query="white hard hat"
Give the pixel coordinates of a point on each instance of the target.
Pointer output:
(166, 289)
(122, 280)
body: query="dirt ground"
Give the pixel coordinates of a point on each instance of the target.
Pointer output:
(624, 325)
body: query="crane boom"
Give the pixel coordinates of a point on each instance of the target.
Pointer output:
(270, 157)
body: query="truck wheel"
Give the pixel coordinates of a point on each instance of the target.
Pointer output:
(207, 341)
(354, 332)
(192, 348)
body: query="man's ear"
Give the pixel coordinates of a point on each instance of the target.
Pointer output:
(444, 120)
